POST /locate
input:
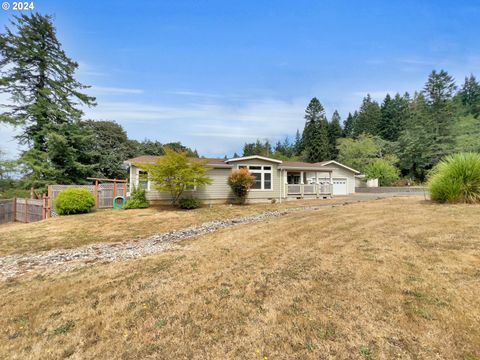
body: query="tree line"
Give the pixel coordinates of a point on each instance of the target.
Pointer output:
(45, 103)
(410, 132)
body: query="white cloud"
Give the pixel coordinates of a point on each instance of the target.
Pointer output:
(193, 93)
(214, 128)
(114, 90)
(8, 144)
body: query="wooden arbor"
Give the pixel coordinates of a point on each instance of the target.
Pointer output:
(114, 181)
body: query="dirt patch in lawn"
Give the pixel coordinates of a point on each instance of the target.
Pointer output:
(395, 278)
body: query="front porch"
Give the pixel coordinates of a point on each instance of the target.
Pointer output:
(305, 183)
(302, 190)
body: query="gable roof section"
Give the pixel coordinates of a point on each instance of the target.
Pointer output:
(300, 165)
(243, 158)
(222, 163)
(328, 162)
(151, 159)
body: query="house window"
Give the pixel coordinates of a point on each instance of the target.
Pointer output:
(191, 188)
(262, 174)
(143, 180)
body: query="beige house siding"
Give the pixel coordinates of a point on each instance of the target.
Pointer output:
(255, 194)
(217, 190)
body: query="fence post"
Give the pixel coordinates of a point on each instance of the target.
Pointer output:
(50, 195)
(96, 194)
(125, 188)
(114, 188)
(26, 210)
(14, 209)
(44, 207)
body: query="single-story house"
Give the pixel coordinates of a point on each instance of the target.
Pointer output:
(275, 179)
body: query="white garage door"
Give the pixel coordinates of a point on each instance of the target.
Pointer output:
(339, 186)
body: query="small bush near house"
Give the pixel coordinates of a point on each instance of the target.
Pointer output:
(189, 203)
(384, 171)
(74, 201)
(240, 182)
(138, 199)
(456, 179)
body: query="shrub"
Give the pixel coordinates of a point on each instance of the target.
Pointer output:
(456, 179)
(240, 182)
(383, 170)
(138, 199)
(189, 203)
(74, 201)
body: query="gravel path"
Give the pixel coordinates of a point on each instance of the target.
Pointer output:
(13, 265)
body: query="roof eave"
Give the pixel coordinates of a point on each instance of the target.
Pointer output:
(319, 168)
(344, 166)
(244, 158)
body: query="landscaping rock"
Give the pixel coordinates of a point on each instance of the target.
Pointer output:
(14, 265)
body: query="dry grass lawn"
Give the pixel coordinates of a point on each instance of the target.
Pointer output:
(389, 279)
(119, 225)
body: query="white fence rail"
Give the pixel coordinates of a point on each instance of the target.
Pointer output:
(309, 189)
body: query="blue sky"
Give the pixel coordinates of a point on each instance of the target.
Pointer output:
(214, 74)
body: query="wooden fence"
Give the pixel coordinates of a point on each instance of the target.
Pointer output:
(103, 193)
(30, 210)
(24, 210)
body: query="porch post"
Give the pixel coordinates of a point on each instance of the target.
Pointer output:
(301, 183)
(317, 185)
(331, 183)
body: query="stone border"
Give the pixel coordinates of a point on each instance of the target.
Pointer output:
(13, 265)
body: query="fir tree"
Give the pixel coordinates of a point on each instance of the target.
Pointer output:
(469, 96)
(334, 132)
(394, 115)
(298, 143)
(315, 140)
(438, 92)
(349, 126)
(39, 77)
(368, 118)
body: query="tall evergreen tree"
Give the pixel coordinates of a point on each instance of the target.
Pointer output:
(469, 95)
(368, 118)
(349, 125)
(438, 92)
(394, 115)
(334, 132)
(416, 146)
(39, 77)
(315, 141)
(297, 146)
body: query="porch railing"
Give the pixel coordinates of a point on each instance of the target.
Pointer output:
(309, 189)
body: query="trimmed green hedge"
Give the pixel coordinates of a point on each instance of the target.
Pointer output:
(189, 203)
(138, 200)
(456, 179)
(74, 201)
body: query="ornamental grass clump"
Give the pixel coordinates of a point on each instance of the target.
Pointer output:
(456, 179)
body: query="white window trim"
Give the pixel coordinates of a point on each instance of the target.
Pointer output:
(262, 172)
(191, 190)
(137, 182)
